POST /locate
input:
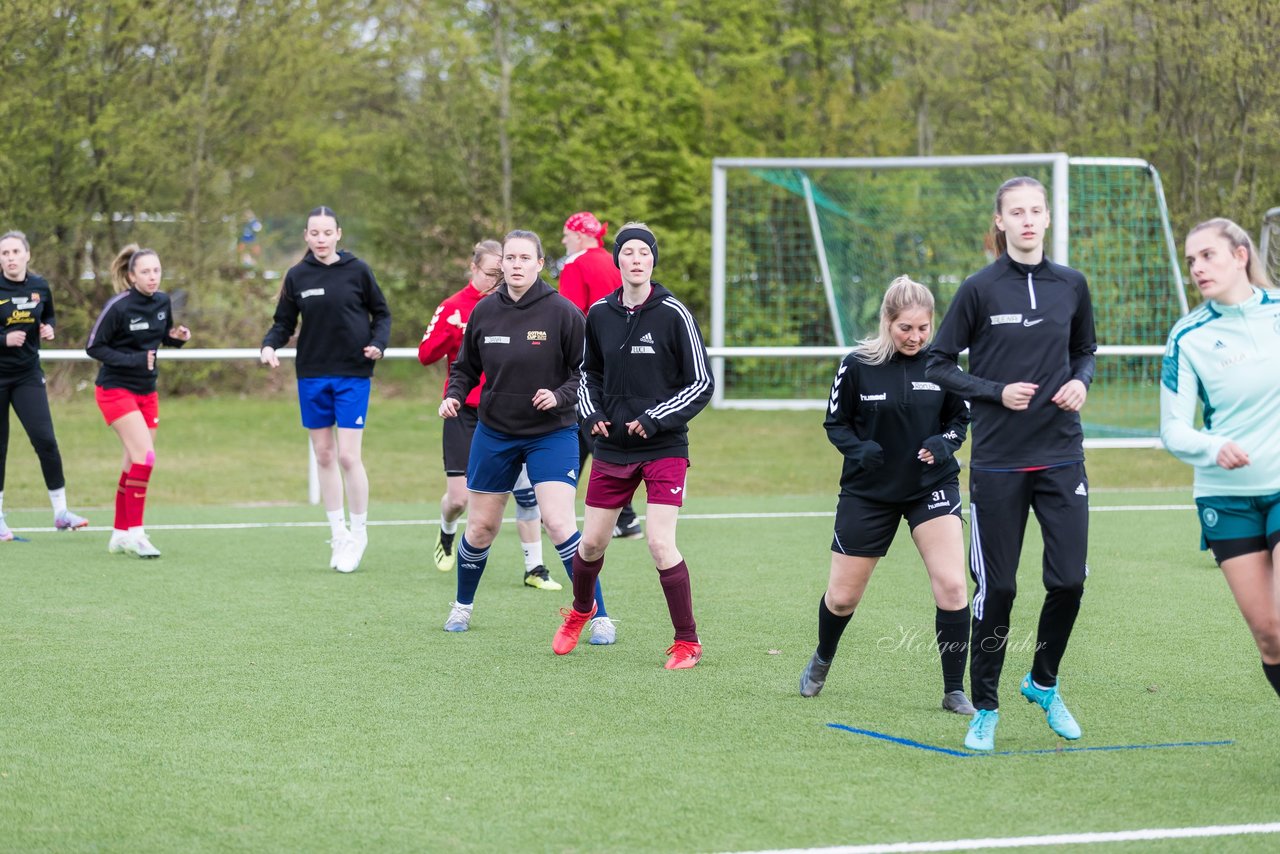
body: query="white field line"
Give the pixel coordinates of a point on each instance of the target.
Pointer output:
(1038, 841)
(714, 517)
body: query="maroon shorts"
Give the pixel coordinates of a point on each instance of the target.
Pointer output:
(612, 485)
(115, 403)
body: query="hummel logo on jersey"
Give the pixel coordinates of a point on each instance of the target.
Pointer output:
(1080, 490)
(998, 319)
(1032, 322)
(646, 338)
(1218, 345)
(873, 396)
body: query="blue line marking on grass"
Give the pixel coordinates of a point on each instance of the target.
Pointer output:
(967, 754)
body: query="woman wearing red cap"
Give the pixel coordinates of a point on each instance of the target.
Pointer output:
(588, 275)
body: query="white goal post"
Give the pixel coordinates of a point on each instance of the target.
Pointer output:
(813, 241)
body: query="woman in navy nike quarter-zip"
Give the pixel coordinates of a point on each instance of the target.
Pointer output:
(1028, 325)
(898, 433)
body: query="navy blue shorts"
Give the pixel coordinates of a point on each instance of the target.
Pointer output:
(496, 458)
(326, 401)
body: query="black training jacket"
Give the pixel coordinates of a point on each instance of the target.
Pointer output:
(520, 347)
(881, 416)
(23, 307)
(343, 311)
(1021, 324)
(648, 365)
(130, 325)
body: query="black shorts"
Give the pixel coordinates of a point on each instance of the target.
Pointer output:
(866, 528)
(457, 440)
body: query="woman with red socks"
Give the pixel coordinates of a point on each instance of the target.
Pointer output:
(125, 339)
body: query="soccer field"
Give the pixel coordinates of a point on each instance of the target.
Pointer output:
(238, 695)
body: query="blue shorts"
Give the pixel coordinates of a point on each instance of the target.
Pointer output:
(496, 458)
(1235, 525)
(326, 401)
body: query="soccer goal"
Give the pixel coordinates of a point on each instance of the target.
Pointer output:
(802, 250)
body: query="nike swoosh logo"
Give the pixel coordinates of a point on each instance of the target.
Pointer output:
(3, 301)
(1031, 322)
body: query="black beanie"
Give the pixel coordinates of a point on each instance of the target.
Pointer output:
(644, 235)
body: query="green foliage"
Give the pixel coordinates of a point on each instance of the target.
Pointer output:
(431, 124)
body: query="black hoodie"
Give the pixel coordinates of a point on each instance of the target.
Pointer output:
(646, 364)
(521, 346)
(343, 311)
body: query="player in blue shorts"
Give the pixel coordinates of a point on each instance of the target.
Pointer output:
(527, 341)
(345, 329)
(1225, 356)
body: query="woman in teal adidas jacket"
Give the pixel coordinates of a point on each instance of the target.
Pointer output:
(1226, 355)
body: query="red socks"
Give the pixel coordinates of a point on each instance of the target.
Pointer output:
(585, 573)
(675, 586)
(134, 488)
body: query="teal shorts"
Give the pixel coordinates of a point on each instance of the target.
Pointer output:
(1234, 525)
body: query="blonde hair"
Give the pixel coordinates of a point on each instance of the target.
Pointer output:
(903, 295)
(1255, 270)
(16, 235)
(998, 238)
(483, 249)
(124, 263)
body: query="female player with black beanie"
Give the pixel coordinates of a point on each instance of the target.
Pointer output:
(898, 433)
(1028, 325)
(645, 375)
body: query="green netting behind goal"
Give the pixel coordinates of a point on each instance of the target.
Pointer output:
(809, 252)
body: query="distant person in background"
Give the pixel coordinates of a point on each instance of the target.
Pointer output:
(636, 403)
(1225, 356)
(899, 434)
(248, 246)
(1028, 325)
(346, 326)
(443, 340)
(588, 275)
(26, 319)
(126, 339)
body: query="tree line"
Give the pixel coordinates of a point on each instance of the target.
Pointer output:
(431, 124)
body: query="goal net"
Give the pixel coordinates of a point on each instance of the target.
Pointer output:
(802, 250)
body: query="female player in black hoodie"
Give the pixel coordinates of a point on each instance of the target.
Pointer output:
(645, 375)
(899, 433)
(345, 329)
(526, 340)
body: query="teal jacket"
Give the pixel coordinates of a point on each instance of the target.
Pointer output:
(1227, 359)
